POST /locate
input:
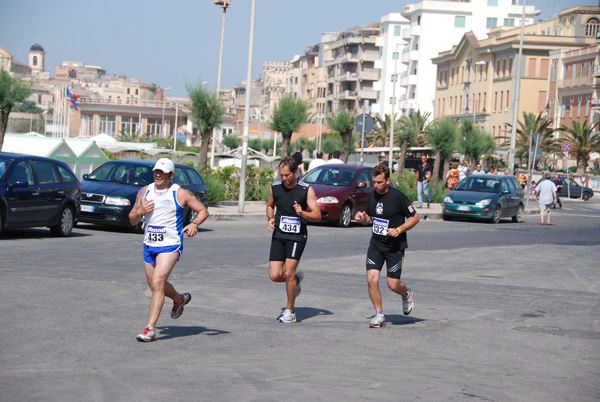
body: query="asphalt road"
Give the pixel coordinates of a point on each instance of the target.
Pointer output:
(506, 312)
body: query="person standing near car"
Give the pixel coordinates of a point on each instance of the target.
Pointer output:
(424, 171)
(335, 157)
(162, 203)
(318, 161)
(290, 205)
(546, 196)
(392, 215)
(559, 184)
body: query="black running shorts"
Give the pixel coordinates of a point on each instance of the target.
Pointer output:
(282, 249)
(394, 261)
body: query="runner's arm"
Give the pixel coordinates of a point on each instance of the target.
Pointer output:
(271, 210)
(187, 198)
(140, 207)
(313, 212)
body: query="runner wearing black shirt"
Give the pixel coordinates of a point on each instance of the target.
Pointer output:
(392, 215)
(291, 204)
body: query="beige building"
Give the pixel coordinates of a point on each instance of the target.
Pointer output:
(477, 78)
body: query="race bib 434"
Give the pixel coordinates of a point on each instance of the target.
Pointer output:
(289, 224)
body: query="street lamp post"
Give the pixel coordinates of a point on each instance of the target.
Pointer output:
(224, 4)
(242, 197)
(163, 131)
(394, 83)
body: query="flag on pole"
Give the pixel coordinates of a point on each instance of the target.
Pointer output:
(71, 97)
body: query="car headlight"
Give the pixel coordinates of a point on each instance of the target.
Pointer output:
(448, 199)
(117, 201)
(483, 203)
(327, 200)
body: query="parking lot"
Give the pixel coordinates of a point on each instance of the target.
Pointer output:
(502, 312)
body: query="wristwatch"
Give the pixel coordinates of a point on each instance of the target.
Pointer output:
(269, 218)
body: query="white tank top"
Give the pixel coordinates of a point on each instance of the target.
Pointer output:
(165, 223)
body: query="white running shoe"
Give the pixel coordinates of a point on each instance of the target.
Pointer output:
(407, 303)
(300, 276)
(177, 309)
(287, 317)
(377, 321)
(147, 335)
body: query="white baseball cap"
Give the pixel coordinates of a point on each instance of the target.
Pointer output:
(164, 164)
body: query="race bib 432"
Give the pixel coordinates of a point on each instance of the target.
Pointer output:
(380, 226)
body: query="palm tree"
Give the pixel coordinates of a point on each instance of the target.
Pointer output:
(380, 135)
(538, 125)
(409, 128)
(12, 91)
(442, 135)
(583, 141)
(207, 113)
(289, 115)
(343, 123)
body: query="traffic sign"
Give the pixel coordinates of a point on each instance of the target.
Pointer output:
(566, 146)
(369, 123)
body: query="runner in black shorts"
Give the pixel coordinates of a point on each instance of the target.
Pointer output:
(291, 204)
(392, 216)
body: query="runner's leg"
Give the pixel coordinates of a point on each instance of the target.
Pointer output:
(291, 282)
(374, 292)
(157, 276)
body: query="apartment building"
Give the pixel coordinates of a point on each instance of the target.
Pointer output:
(477, 78)
(350, 66)
(420, 33)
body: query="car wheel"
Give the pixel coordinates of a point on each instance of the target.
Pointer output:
(517, 217)
(345, 216)
(497, 213)
(446, 217)
(65, 223)
(190, 217)
(140, 227)
(585, 196)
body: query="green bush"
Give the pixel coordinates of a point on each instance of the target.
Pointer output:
(406, 184)
(573, 169)
(257, 182)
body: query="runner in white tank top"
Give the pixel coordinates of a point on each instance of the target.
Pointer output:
(162, 203)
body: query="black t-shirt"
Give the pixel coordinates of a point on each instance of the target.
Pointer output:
(288, 225)
(422, 171)
(389, 210)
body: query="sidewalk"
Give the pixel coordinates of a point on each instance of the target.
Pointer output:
(257, 210)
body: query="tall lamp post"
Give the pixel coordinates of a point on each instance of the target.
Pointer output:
(242, 198)
(163, 130)
(394, 83)
(224, 4)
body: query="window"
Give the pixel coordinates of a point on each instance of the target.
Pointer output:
(129, 125)
(450, 105)
(493, 3)
(504, 67)
(566, 72)
(592, 26)
(395, 56)
(45, 172)
(459, 21)
(107, 125)
(22, 172)
(491, 23)
(532, 67)
(397, 30)
(452, 77)
(501, 99)
(579, 107)
(35, 60)
(366, 176)
(495, 101)
(509, 22)
(65, 174)
(498, 68)
(392, 100)
(507, 98)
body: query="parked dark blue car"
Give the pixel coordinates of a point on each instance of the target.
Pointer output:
(109, 192)
(38, 191)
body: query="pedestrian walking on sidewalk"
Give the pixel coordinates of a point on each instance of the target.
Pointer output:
(392, 215)
(424, 171)
(290, 205)
(162, 204)
(546, 196)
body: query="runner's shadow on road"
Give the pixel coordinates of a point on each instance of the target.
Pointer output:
(304, 313)
(395, 319)
(178, 332)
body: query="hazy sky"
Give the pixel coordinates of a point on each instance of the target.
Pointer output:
(172, 42)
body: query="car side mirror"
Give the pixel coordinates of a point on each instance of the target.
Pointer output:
(85, 176)
(361, 184)
(506, 192)
(19, 184)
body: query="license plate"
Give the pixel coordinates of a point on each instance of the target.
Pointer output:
(463, 208)
(87, 208)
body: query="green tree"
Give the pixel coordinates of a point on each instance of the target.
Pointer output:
(12, 91)
(409, 128)
(380, 135)
(583, 141)
(473, 142)
(207, 113)
(231, 141)
(343, 123)
(442, 135)
(304, 144)
(27, 106)
(289, 115)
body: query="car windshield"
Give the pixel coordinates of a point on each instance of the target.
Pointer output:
(123, 173)
(4, 163)
(332, 176)
(478, 183)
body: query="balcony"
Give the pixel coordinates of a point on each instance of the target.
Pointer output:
(415, 30)
(369, 56)
(596, 71)
(406, 34)
(380, 41)
(411, 55)
(369, 75)
(350, 95)
(367, 94)
(348, 76)
(408, 80)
